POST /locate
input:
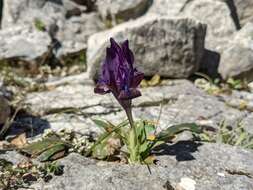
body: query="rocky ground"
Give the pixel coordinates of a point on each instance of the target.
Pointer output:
(51, 53)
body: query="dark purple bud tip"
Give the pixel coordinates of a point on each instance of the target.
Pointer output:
(118, 74)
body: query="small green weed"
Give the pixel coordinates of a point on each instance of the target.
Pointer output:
(236, 136)
(116, 142)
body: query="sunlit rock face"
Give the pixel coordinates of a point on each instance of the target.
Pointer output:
(215, 13)
(66, 24)
(168, 47)
(121, 10)
(206, 166)
(237, 59)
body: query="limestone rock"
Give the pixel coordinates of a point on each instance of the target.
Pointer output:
(23, 42)
(250, 85)
(163, 46)
(73, 33)
(121, 9)
(170, 8)
(237, 59)
(211, 166)
(62, 20)
(247, 123)
(244, 9)
(217, 16)
(13, 156)
(72, 106)
(26, 11)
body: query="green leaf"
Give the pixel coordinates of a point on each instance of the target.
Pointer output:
(168, 133)
(124, 123)
(50, 148)
(143, 130)
(103, 124)
(55, 152)
(144, 146)
(149, 128)
(103, 137)
(107, 147)
(149, 160)
(39, 25)
(36, 148)
(140, 130)
(108, 126)
(145, 149)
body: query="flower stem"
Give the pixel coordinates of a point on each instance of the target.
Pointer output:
(133, 139)
(130, 117)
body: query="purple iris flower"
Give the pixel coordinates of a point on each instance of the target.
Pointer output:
(118, 74)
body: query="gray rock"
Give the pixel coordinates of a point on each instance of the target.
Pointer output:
(216, 15)
(170, 8)
(13, 156)
(192, 107)
(23, 42)
(63, 20)
(247, 123)
(26, 11)
(72, 106)
(4, 110)
(73, 33)
(250, 85)
(81, 78)
(120, 9)
(237, 62)
(244, 37)
(237, 59)
(168, 47)
(209, 166)
(240, 100)
(90, 4)
(81, 95)
(244, 9)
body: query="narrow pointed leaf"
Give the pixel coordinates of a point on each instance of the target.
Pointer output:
(175, 129)
(50, 154)
(102, 138)
(102, 124)
(36, 148)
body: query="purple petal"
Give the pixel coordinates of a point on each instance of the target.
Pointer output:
(126, 95)
(115, 46)
(110, 69)
(128, 53)
(118, 74)
(110, 59)
(105, 75)
(137, 78)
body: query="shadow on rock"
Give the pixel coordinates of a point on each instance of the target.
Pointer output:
(182, 150)
(27, 123)
(210, 63)
(59, 2)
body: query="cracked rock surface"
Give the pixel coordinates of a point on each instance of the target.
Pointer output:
(225, 168)
(73, 105)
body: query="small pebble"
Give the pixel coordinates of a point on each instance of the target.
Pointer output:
(250, 85)
(186, 184)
